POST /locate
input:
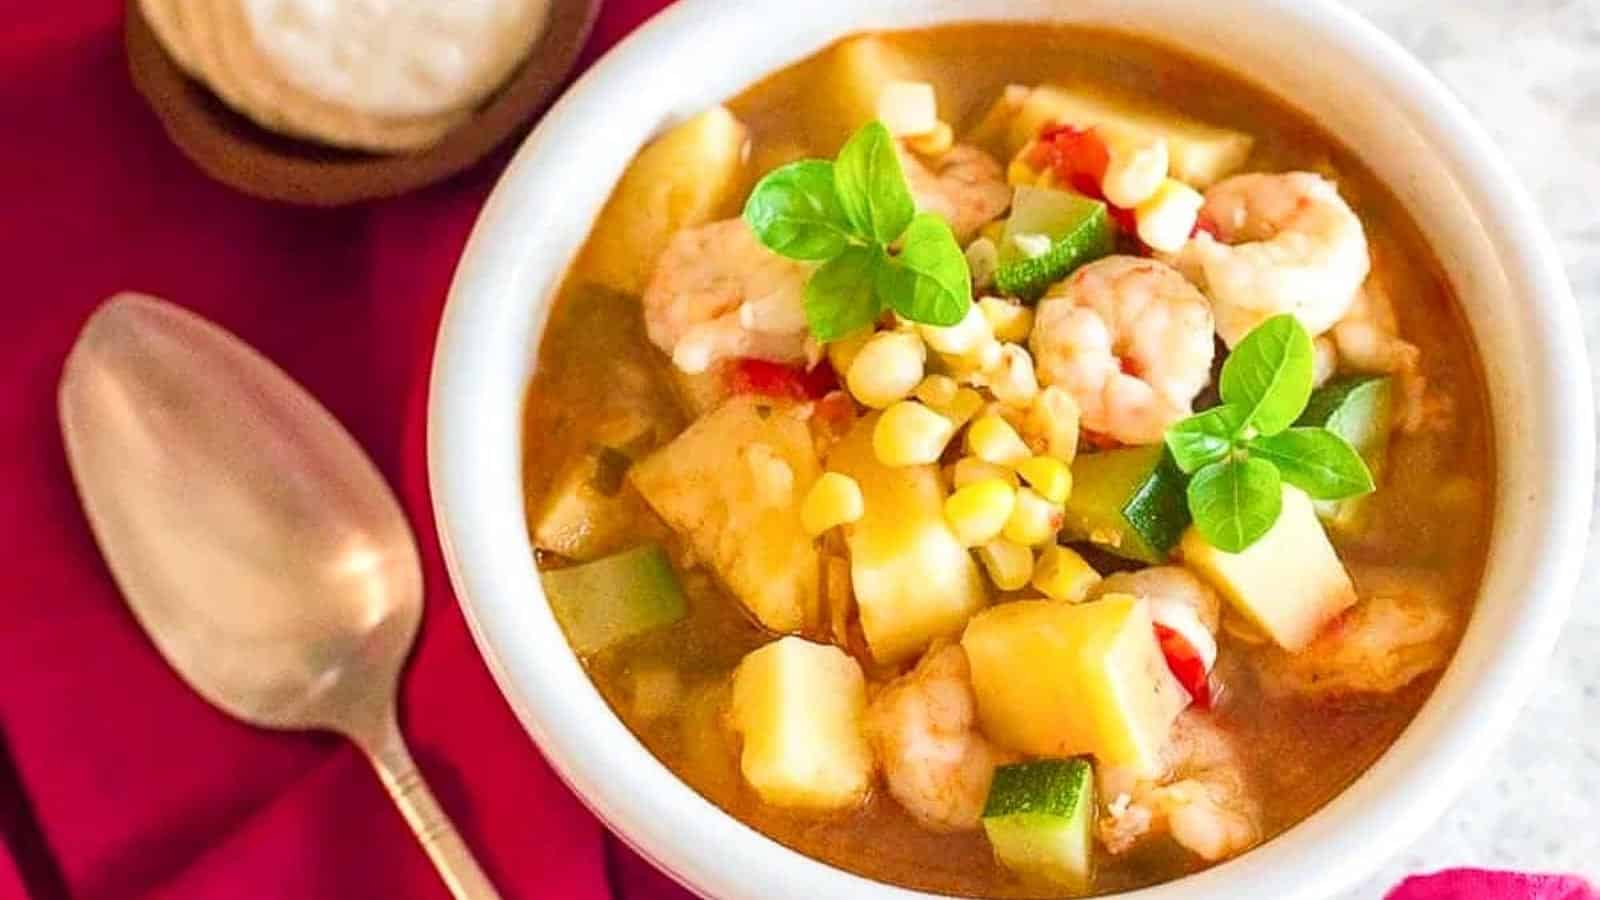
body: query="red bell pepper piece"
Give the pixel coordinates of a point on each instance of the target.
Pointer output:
(1186, 664)
(770, 379)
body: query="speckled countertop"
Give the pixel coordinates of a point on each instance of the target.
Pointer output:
(1530, 70)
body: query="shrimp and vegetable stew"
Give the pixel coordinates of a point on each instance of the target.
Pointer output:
(1009, 461)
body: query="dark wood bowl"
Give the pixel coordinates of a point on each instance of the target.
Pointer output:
(234, 150)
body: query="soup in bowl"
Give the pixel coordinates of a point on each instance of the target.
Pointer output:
(1009, 460)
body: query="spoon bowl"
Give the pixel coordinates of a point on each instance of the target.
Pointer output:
(254, 540)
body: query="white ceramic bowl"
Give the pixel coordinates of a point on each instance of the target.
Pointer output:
(1321, 58)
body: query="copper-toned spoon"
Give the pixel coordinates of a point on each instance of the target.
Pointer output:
(255, 541)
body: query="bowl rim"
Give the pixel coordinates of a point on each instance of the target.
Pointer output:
(707, 850)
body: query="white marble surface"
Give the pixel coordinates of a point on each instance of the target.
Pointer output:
(1530, 70)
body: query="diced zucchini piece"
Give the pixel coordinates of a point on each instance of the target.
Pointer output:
(1079, 231)
(1131, 502)
(688, 176)
(609, 600)
(1197, 153)
(1040, 820)
(1359, 409)
(732, 484)
(1290, 583)
(914, 581)
(1059, 679)
(799, 706)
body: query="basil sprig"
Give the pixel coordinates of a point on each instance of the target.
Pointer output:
(856, 216)
(1241, 452)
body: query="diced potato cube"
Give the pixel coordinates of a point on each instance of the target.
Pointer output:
(908, 108)
(852, 77)
(1197, 152)
(739, 506)
(1290, 583)
(688, 176)
(913, 580)
(799, 707)
(1054, 679)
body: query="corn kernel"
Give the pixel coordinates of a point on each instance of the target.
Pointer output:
(1167, 218)
(978, 512)
(1009, 565)
(933, 143)
(1061, 574)
(887, 368)
(1034, 520)
(938, 391)
(1052, 424)
(970, 469)
(961, 338)
(1136, 168)
(908, 108)
(963, 406)
(1012, 381)
(842, 353)
(1051, 477)
(833, 500)
(910, 434)
(1019, 172)
(992, 439)
(1009, 321)
(983, 258)
(988, 355)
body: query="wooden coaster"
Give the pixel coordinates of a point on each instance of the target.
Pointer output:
(245, 156)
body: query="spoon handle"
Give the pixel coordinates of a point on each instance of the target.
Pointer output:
(427, 819)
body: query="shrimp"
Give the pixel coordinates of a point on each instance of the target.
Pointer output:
(964, 186)
(1368, 340)
(1401, 630)
(717, 293)
(1203, 800)
(1130, 340)
(1283, 243)
(923, 731)
(1167, 586)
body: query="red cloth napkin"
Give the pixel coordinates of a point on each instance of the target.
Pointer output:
(115, 780)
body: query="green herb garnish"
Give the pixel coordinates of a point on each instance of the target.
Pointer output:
(1239, 453)
(856, 216)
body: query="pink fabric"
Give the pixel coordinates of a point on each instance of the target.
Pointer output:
(1482, 884)
(116, 780)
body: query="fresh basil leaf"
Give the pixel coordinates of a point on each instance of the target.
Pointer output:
(1205, 438)
(795, 212)
(871, 186)
(932, 284)
(842, 296)
(1269, 374)
(1235, 502)
(1316, 461)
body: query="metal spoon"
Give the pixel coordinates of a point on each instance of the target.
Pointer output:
(254, 540)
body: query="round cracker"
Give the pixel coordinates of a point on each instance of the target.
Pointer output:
(407, 58)
(240, 153)
(227, 51)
